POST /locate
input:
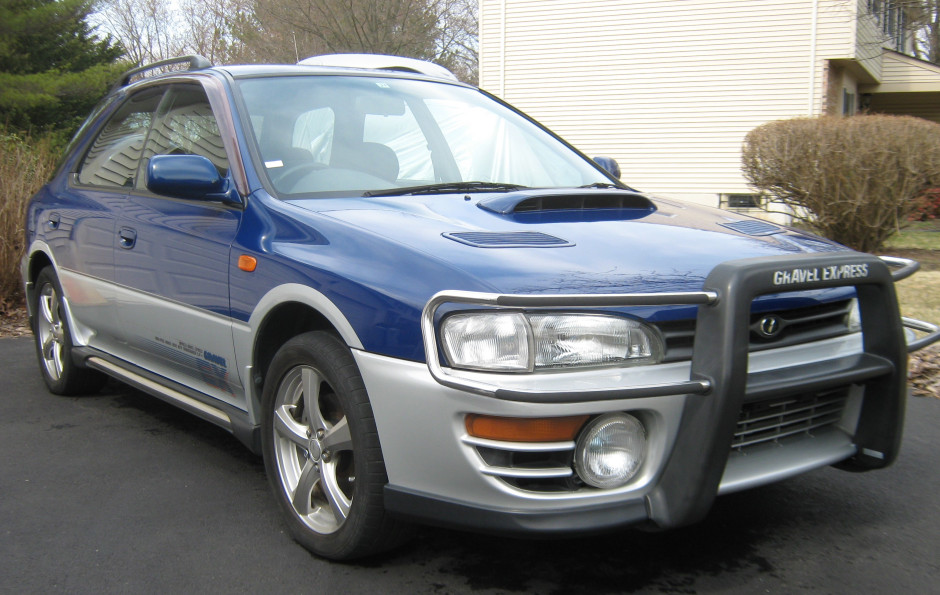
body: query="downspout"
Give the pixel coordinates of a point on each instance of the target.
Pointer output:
(812, 59)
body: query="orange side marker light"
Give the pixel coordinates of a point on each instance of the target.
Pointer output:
(247, 263)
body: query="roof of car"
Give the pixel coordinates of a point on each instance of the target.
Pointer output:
(348, 64)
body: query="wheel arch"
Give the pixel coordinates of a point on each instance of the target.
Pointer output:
(282, 314)
(37, 259)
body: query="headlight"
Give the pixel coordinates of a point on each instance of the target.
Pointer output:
(487, 341)
(517, 342)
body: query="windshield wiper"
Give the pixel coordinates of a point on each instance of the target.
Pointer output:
(447, 187)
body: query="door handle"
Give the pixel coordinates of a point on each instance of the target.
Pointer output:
(128, 237)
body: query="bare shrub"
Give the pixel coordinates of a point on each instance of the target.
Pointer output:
(25, 164)
(855, 180)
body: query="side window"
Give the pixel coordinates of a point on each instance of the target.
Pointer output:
(185, 125)
(113, 158)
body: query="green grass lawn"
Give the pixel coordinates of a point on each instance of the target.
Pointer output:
(919, 295)
(919, 236)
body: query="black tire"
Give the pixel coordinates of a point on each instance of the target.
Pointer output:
(54, 341)
(322, 453)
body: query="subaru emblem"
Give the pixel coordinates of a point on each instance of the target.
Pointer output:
(769, 326)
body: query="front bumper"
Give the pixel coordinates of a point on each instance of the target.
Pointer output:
(691, 410)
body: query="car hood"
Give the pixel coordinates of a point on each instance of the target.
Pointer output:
(581, 241)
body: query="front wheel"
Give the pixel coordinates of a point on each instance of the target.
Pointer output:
(322, 452)
(54, 341)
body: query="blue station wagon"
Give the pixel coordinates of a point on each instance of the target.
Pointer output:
(419, 305)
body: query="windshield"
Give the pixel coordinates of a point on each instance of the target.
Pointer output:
(329, 135)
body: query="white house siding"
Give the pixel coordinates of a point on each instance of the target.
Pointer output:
(667, 87)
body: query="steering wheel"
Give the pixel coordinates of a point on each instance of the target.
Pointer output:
(287, 177)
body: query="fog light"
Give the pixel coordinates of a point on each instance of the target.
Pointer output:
(610, 451)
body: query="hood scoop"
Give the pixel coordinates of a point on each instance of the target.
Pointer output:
(631, 204)
(507, 239)
(753, 227)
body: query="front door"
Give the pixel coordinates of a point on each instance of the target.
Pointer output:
(174, 260)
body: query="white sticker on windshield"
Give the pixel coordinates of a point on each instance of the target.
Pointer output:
(273, 164)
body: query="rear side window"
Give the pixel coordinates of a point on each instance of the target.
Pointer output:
(113, 158)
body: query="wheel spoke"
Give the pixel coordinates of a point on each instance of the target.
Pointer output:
(338, 437)
(287, 427)
(310, 382)
(48, 347)
(339, 503)
(46, 308)
(302, 498)
(57, 358)
(54, 310)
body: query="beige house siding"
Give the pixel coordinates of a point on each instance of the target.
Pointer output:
(869, 42)
(905, 74)
(669, 88)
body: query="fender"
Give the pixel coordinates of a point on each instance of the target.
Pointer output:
(245, 335)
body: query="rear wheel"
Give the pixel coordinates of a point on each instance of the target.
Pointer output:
(54, 341)
(322, 453)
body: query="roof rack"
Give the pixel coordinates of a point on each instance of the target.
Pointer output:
(195, 63)
(381, 62)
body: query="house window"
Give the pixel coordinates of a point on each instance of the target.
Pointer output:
(892, 18)
(848, 103)
(742, 201)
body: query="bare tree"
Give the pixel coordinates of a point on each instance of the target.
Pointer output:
(404, 27)
(208, 28)
(247, 31)
(458, 27)
(923, 24)
(444, 31)
(146, 29)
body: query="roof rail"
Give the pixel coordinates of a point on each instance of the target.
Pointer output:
(195, 63)
(381, 62)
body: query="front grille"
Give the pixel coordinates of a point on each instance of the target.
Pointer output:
(799, 325)
(776, 419)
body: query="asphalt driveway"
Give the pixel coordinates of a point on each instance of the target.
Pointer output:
(121, 493)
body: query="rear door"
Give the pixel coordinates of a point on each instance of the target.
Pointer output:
(80, 227)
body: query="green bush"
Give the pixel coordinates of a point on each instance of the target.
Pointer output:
(855, 180)
(25, 165)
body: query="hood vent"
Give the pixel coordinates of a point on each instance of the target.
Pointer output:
(555, 200)
(507, 239)
(753, 227)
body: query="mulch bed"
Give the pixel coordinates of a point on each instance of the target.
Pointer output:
(13, 321)
(924, 365)
(925, 372)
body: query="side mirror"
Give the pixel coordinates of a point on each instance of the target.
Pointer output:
(610, 165)
(188, 176)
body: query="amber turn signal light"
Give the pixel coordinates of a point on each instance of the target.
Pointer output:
(247, 263)
(524, 429)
